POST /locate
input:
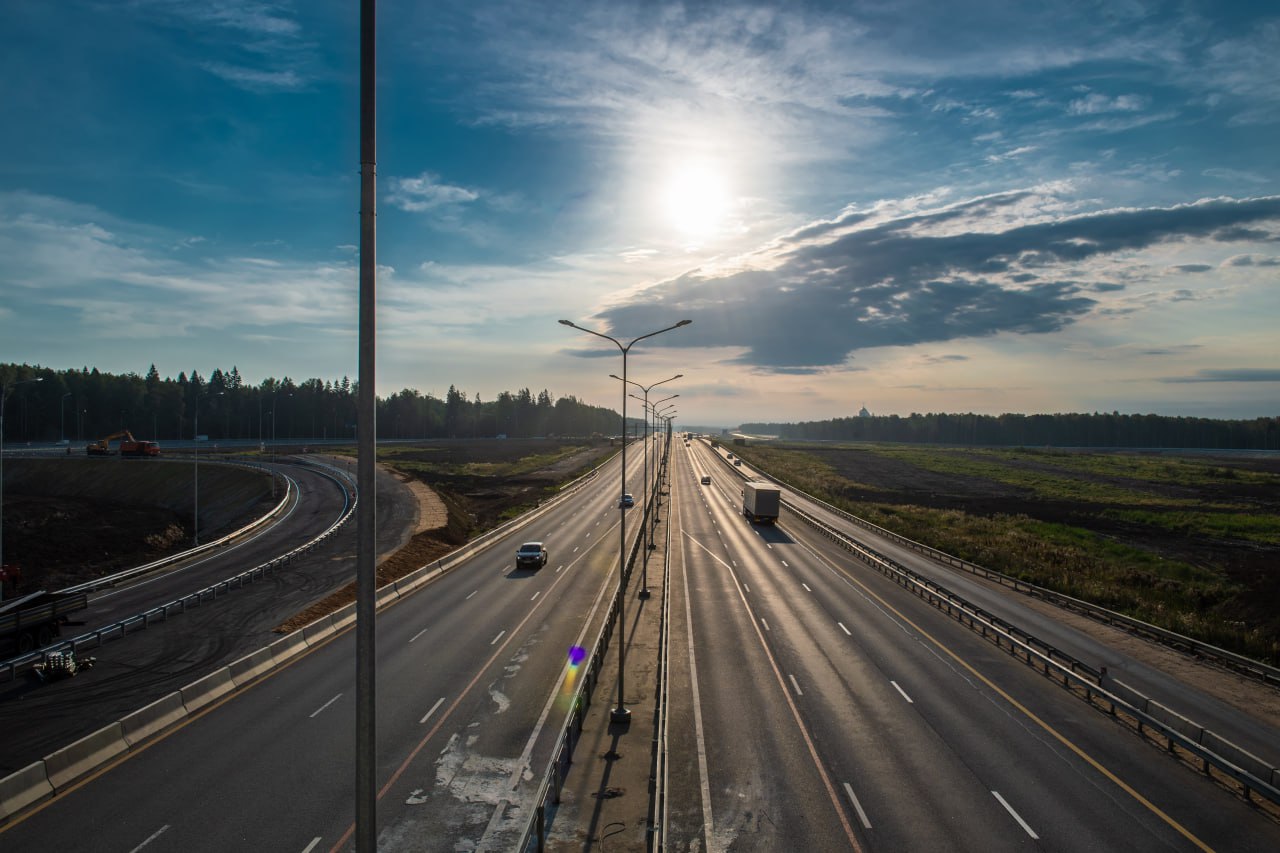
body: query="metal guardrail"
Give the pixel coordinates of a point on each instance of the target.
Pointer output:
(1251, 772)
(1223, 657)
(658, 807)
(123, 627)
(534, 836)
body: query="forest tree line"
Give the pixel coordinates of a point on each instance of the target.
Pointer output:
(1058, 430)
(85, 404)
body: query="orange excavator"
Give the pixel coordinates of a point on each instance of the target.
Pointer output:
(129, 446)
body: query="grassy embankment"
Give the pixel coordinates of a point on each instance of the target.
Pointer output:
(1147, 536)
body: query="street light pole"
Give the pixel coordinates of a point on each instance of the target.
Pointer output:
(196, 435)
(644, 515)
(4, 393)
(622, 714)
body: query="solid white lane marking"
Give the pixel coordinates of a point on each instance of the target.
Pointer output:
(312, 845)
(434, 708)
(795, 684)
(417, 635)
(765, 624)
(904, 695)
(468, 598)
(499, 637)
(843, 628)
(1022, 823)
(535, 595)
(317, 711)
(703, 775)
(159, 832)
(806, 587)
(857, 806)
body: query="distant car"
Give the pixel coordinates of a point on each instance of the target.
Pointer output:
(532, 555)
(729, 456)
(737, 462)
(627, 501)
(706, 479)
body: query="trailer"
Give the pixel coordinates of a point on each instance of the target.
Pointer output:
(33, 621)
(761, 502)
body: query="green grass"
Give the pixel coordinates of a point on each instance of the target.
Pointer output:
(1070, 559)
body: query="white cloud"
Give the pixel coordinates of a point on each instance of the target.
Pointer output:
(426, 192)
(1095, 103)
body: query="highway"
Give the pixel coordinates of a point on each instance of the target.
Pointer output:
(814, 705)
(473, 679)
(829, 709)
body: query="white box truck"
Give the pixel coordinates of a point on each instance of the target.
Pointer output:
(761, 502)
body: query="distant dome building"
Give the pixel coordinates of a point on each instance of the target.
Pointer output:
(863, 413)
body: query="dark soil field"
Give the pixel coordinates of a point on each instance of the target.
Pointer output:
(1189, 542)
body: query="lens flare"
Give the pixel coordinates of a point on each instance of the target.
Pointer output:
(577, 654)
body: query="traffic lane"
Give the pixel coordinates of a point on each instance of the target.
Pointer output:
(1236, 724)
(285, 751)
(1077, 775)
(761, 788)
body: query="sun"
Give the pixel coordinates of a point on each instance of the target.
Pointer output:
(695, 199)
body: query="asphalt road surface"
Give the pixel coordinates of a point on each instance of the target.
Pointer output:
(820, 706)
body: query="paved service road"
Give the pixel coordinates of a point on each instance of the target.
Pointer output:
(822, 707)
(473, 683)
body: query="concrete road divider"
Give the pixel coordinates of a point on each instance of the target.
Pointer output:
(318, 630)
(152, 718)
(197, 694)
(387, 593)
(22, 788)
(344, 616)
(288, 646)
(250, 666)
(73, 761)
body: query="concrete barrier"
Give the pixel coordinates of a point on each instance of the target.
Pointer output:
(91, 751)
(318, 630)
(387, 593)
(344, 616)
(200, 693)
(22, 788)
(250, 666)
(148, 720)
(288, 646)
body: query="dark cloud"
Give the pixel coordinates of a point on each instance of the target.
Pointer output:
(919, 278)
(1253, 260)
(944, 359)
(1238, 374)
(1193, 267)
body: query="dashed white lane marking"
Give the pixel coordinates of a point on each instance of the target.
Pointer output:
(317, 711)
(159, 832)
(795, 684)
(535, 595)
(559, 567)
(843, 628)
(468, 598)
(417, 635)
(784, 564)
(499, 637)
(765, 624)
(806, 587)
(1022, 823)
(312, 845)
(747, 588)
(434, 708)
(575, 549)
(904, 695)
(857, 806)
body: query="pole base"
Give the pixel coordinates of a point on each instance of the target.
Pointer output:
(620, 715)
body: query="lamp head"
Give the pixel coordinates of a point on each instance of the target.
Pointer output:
(567, 323)
(683, 323)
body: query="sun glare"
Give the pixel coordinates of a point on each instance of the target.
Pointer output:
(695, 199)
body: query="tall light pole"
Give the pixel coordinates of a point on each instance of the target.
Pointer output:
(644, 516)
(196, 436)
(4, 393)
(622, 714)
(62, 417)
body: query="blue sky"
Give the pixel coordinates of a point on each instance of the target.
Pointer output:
(912, 206)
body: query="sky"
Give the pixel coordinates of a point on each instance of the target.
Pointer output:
(912, 206)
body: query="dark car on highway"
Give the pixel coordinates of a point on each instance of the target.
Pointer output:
(532, 555)
(627, 500)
